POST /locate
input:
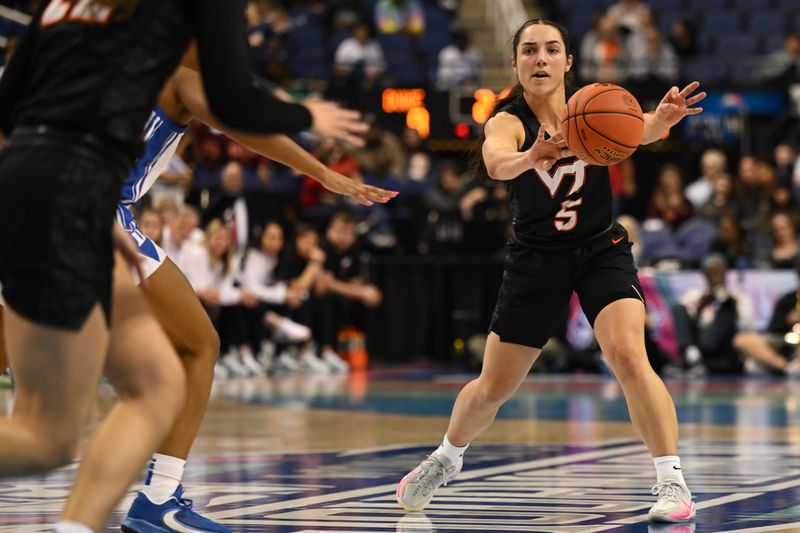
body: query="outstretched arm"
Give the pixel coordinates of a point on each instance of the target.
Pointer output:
(675, 105)
(189, 89)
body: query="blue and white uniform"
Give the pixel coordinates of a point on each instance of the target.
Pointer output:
(161, 138)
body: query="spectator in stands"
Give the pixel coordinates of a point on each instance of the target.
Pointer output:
(343, 15)
(784, 157)
(393, 16)
(181, 232)
(418, 160)
(383, 155)
(484, 211)
(754, 196)
(359, 59)
(629, 15)
(771, 350)
(668, 201)
(784, 241)
(683, 39)
(782, 65)
(722, 200)
(346, 296)
(459, 63)
(651, 57)
(275, 297)
(444, 228)
(231, 206)
(706, 321)
(209, 269)
(713, 164)
(731, 244)
(302, 268)
(603, 57)
(151, 223)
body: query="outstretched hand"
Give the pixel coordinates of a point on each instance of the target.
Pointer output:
(361, 192)
(545, 152)
(677, 104)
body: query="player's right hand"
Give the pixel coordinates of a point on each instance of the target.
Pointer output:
(332, 121)
(545, 152)
(130, 252)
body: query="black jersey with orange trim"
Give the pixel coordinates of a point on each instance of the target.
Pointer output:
(562, 207)
(88, 69)
(96, 70)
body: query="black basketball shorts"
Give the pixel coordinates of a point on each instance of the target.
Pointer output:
(538, 284)
(56, 249)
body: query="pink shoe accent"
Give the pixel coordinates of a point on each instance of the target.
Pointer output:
(686, 513)
(403, 481)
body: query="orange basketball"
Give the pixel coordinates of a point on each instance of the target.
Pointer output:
(602, 124)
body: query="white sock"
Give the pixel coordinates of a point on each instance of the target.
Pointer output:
(71, 527)
(453, 453)
(163, 477)
(668, 466)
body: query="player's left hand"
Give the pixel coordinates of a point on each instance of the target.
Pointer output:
(677, 104)
(361, 192)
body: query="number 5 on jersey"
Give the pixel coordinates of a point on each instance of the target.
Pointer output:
(566, 219)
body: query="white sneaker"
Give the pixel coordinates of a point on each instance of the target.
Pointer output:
(236, 368)
(417, 488)
(312, 364)
(334, 362)
(674, 502)
(253, 366)
(291, 332)
(287, 362)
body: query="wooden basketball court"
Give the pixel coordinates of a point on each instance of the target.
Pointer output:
(305, 454)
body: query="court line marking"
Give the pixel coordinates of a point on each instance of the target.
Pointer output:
(390, 488)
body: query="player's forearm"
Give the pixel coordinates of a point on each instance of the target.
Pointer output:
(282, 149)
(654, 130)
(507, 165)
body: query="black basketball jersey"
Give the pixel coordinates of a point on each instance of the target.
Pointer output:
(96, 70)
(561, 207)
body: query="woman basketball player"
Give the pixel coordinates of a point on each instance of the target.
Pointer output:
(564, 241)
(74, 99)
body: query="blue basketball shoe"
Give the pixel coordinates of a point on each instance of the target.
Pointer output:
(173, 516)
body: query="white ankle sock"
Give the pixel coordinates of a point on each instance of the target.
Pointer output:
(71, 527)
(668, 466)
(163, 477)
(453, 453)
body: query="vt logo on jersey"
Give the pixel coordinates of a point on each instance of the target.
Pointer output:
(86, 11)
(566, 219)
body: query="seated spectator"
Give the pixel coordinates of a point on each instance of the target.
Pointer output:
(346, 296)
(683, 39)
(343, 15)
(444, 228)
(784, 241)
(459, 63)
(232, 206)
(652, 57)
(770, 351)
(383, 155)
(181, 232)
(392, 16)
(629, 15)
(632, 227)
(785, 157)
(302, 268)
(782, 65)
(151, 223)
(275, 298)
(731, 244)
(209, 269)
(359, 59)
(603, 57)
(668, 201)
(722, 200)
(713, 164)
(706, 321)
